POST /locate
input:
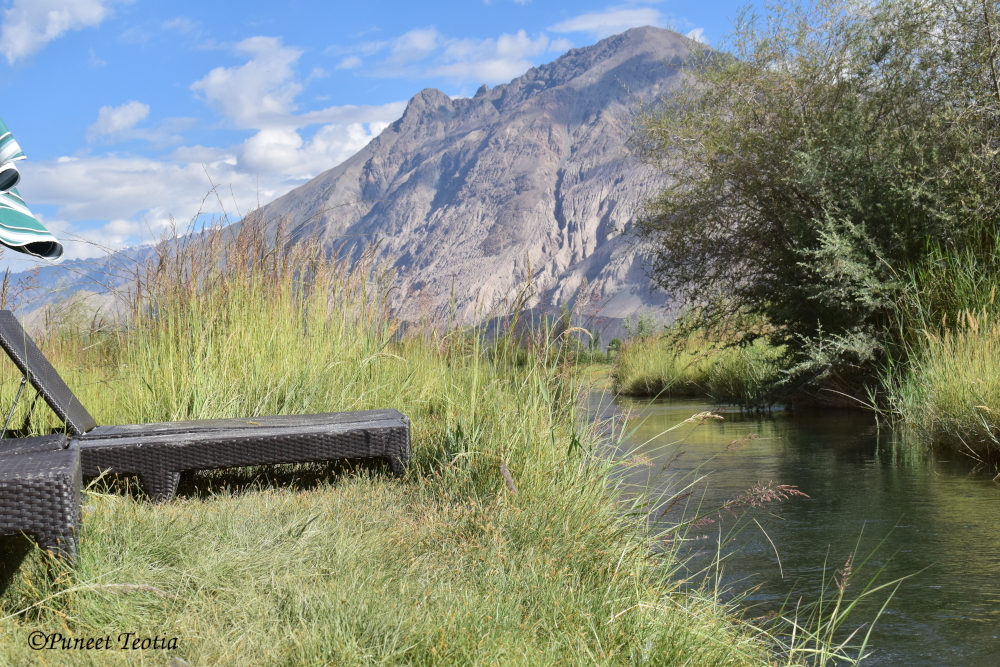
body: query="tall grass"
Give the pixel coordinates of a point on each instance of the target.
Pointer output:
(322, 564)
(943, 385)
(694, 364)
(949, 394)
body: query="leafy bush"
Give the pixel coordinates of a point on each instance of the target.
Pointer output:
(814, 165)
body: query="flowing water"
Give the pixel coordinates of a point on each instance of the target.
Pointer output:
(939, 520)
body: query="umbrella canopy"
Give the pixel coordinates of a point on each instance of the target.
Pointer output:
(19, 230)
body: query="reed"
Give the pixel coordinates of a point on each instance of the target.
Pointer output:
(504, 544)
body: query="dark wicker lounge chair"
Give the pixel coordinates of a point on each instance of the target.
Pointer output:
(40, 491)
(160, 452)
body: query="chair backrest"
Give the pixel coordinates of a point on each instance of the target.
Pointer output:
(42, 376)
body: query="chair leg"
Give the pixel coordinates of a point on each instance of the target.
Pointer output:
(160, 485)
(60, 545)
(397, 466)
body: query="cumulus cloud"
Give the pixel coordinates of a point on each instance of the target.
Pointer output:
(263, 87)
(611, 21)
(114, 123)
(414, 45)
(138, 195)
(28, 25)
(261, 94)
(282, 151)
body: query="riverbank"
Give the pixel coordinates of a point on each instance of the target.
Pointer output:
(946, 396)
(696, 365)
(326, 564)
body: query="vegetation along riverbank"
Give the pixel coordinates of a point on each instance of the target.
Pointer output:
(454, 564)
(834, 176)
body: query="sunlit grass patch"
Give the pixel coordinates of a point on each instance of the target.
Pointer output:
(696, 365)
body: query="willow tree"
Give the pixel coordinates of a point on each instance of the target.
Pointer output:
(818, 159)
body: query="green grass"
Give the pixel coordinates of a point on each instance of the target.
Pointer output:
(326, 565)
(949, 394)
(695, 365)
(943, 386)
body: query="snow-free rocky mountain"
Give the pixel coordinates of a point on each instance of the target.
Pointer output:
(472, 196)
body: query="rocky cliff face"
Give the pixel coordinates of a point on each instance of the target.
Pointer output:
(471, 197)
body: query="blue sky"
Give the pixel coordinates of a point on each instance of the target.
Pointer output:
(129, 110)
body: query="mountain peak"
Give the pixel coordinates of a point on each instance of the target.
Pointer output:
(470, 197)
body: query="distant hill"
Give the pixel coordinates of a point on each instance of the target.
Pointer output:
(466, 194)
(96, 280)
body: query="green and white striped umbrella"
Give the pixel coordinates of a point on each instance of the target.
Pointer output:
(19, 230)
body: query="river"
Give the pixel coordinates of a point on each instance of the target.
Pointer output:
(939, 519)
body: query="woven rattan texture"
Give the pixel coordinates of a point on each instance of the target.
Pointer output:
(160, 458)
(41, 443)
(206, 426)
(40, 496)
(42, 376)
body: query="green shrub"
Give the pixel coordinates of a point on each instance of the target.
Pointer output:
(818, 162)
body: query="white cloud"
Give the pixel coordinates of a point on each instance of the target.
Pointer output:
(344, 115)
(115, 187)
(28, 25)
(248, 94)
(114, 123)
(371, 48)
(261, 94)
(425, 52)
(561, 44)
(350, 62)
(698, 35)
(414, 45)
(491, 60)
(611, 21)
(137, 196)
(95, 61)
(136, 35)
(117, 124)
(283, 152)
(181, 24)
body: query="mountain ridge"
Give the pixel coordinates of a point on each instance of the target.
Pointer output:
(471, 197)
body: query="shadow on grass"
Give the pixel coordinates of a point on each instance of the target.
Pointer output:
(13, 550)
(238, 481)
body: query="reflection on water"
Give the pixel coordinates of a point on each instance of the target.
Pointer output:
(941, 524)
